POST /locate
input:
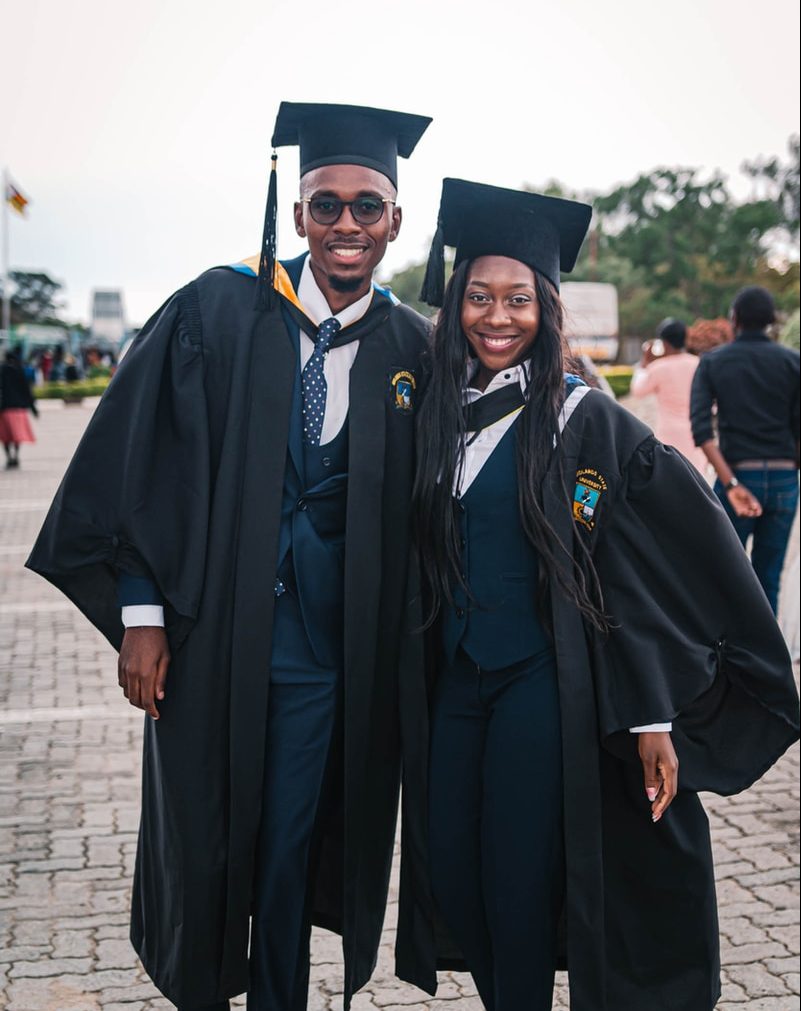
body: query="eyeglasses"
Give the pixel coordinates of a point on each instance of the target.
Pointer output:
(328, 210)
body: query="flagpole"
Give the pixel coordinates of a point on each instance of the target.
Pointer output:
(6, 263)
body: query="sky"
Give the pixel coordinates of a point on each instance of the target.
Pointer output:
(141, 132)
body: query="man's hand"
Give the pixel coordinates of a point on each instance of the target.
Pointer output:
(661, 769)
(142, 667)
(743, 502)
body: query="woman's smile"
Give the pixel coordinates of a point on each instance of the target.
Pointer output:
(497, 342)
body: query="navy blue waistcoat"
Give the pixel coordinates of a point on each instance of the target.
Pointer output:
(311, 540)
(500, 626)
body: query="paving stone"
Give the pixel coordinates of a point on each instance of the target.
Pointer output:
(756, 980)
(762, 1004)
(48, 995)
(72, 943)
(743, 954)
(50, 967)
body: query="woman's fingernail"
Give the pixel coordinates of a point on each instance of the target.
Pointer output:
(651, 792)
(655, 817)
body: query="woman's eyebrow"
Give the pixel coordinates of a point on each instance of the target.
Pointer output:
(516, 284)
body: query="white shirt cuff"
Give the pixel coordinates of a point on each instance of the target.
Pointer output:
(650, 728)
(135, 615)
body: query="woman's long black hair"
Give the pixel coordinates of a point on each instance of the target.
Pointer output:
(440, 456)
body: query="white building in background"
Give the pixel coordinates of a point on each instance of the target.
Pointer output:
(591, 319)
(107, 323)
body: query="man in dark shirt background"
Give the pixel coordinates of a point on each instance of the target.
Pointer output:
(754, 383)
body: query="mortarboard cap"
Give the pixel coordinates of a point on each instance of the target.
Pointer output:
(348, 135)
(545, 233)
(334, 135)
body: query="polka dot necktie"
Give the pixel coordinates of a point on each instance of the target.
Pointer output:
(313, 386)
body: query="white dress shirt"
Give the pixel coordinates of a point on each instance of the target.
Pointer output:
(338, 361)
(478, 451)
(481, 448)
(336, 369)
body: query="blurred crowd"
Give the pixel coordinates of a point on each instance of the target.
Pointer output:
(56, 364)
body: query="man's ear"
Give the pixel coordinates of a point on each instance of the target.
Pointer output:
(397, 218)
(298, 214)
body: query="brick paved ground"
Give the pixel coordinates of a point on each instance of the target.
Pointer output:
(69, 784)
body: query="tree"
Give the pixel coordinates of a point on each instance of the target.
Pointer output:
(33, 299)
(782, 184)
(696, 245)
(791, 331)
(675, 243)
(406, 285)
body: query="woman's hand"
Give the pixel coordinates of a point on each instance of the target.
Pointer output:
(648, 355)
(660, 767)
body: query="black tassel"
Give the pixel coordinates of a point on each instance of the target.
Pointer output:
(433, 290)
(266, 295)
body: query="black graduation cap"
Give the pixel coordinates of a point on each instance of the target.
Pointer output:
(335, 135)
(545, 233)
(348, 135)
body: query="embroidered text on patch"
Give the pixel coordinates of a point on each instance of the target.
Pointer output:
(590, 485)
(402, 385)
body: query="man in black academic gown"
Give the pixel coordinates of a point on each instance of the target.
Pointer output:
(245, 484)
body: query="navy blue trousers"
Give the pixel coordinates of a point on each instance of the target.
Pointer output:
(777, 493)
(495, 823)
(302, 786)
(302, 783)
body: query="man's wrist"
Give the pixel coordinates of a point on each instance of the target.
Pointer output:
(731, 483)
(139, 615)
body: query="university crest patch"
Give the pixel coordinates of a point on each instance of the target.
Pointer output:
(402, 385)
(590, 485)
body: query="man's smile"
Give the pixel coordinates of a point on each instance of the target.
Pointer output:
(347, 252)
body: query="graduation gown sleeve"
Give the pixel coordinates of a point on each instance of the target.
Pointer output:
(694, 638)
(136, 495)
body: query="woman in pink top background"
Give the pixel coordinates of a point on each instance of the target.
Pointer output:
(669, 376)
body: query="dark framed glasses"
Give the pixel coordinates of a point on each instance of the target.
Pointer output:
(328, 210)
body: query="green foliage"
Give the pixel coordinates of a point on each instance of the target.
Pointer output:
(33, 299)
(687, 237)
(618, 377)
(791, 331)
(782, 183)
(98, 372)
(676, 243)
(71, 391)
(406, 285)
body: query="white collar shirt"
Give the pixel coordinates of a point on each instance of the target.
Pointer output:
(479, 449)
(338, 361)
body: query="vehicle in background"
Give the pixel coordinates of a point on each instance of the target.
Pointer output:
(591, 319)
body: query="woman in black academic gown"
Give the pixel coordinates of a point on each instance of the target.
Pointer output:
(591, 615)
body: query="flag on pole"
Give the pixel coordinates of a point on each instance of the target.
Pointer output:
(16, 198)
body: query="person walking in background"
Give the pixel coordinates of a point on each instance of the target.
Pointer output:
(29, 368)
(16, 400)
(754, 383)
(57, 367)
(666, 370)
(45, 364)
(71, 373)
